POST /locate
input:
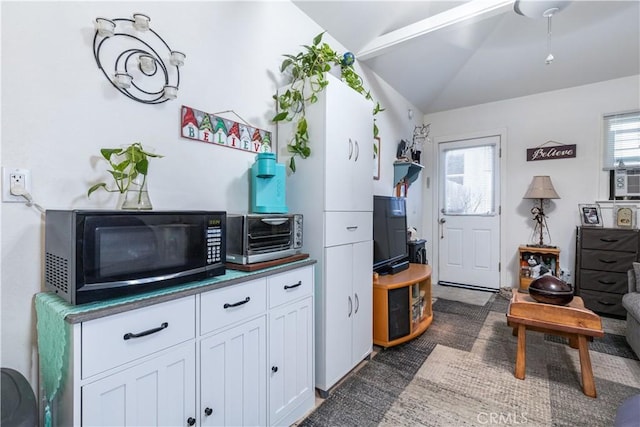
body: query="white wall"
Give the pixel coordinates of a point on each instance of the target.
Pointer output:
(569, 116)
(58, 110)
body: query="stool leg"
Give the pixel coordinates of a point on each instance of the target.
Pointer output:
(521, 358)
(588, 385)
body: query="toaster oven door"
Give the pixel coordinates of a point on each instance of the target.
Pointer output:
(269, 238)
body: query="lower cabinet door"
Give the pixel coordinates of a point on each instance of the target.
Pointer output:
(336, 360)
(233, 376)
(362, 332)
(290, 368)
(160, 391)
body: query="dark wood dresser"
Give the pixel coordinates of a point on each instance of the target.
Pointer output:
(603, 256)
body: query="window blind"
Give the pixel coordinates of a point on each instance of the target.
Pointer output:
(621, 140)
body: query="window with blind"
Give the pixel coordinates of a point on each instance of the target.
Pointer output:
(622, 140)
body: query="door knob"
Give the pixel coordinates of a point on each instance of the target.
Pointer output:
(208, 411)
(191, 421)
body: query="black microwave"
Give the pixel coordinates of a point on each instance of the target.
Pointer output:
(98, 255)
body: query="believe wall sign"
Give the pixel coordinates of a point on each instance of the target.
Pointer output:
(551, 152)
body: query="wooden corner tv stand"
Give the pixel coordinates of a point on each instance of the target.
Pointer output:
(402, 305)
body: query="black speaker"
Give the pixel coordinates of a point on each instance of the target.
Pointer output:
(418, 252)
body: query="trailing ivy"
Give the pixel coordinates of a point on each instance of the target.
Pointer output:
(307, 70)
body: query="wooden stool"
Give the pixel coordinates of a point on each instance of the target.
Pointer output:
(572, 321)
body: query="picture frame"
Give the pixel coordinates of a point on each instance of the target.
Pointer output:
(624, 216)
(376, 158)
(590, 215)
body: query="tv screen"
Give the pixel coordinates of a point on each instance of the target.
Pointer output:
(390, 250)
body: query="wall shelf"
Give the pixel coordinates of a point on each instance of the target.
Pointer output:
(405, 173)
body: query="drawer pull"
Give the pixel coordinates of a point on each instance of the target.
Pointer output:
(352, 227)
(606, 282)
(607, 261)
(274, 369)
(236, 304)
(293, 286)
(606, 303)
(208, 411)
(609, 240)
(130, 335)
(191, 421)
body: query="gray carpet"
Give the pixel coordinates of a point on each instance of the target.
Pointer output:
(460, 373)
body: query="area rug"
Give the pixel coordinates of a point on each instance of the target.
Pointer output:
(460, 373)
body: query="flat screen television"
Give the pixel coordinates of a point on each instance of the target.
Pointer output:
(390, 249)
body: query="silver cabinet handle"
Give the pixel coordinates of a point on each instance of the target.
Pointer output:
(357, 151)
(357, 303)
(350, 307)
(350, 148)
(352, 227)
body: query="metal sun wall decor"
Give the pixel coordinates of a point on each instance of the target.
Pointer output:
(140, 64)
(217, 130)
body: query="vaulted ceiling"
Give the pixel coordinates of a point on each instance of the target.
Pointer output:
(442, 55)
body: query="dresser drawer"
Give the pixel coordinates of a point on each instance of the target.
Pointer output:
(347, 227)
(232, 304)
(608, 239)
(111, 341)
(605, 281)
(289, 286)
(603, 302)
(607, 260)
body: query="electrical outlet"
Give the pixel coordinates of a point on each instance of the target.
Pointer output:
(14, 182)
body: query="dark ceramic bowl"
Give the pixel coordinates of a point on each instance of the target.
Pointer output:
(551, 290)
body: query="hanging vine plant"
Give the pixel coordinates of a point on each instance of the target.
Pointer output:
(308, 78)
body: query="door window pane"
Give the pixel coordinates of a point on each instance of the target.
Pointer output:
(469, 181)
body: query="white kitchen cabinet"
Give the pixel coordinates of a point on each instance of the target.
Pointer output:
(291, 391)
(204, 359)
(333, 189)
(233, 376)
(290, 361)
(348, 335)
(160, 391)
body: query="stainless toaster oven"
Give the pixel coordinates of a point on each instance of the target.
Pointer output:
(253, 238)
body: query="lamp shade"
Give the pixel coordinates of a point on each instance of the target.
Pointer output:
(541, 188)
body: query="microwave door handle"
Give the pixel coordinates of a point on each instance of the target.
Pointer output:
(274, 221)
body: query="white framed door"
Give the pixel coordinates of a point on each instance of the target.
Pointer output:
(469, 213)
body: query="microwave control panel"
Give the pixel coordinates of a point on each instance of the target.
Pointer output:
(214, 244)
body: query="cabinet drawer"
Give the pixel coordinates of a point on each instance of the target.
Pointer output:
(603, 302)
(607, 260)
(615, 240)
(605, 281)
(347, 227)
(232, 304)
(106, 343)
(289, 286)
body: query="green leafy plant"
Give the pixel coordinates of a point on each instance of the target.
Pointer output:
(127, 165)
(308, 78)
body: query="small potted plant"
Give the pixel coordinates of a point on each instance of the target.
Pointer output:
(307, 70)
(129, 168)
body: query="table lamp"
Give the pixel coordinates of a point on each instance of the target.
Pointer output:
(540, 188)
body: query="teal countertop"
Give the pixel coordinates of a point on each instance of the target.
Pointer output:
(94, 310)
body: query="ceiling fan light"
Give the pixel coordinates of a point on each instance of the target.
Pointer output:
(539, 9)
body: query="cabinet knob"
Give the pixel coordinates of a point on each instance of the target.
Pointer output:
(191, 421)
(208, 411)
(274, 368)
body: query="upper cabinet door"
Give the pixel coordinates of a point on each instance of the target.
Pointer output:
(349, 149)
